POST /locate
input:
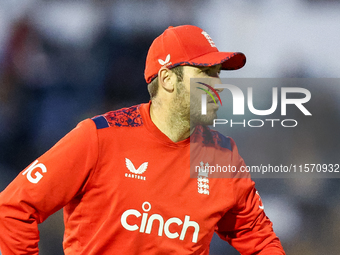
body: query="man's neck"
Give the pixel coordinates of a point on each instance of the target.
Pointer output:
(170, 123)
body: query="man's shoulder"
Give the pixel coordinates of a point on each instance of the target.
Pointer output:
(213, 137)
(124, 117)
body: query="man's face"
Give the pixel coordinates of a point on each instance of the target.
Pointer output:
(190, 97)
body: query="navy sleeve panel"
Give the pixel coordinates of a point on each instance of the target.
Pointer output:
(224, 142)
(100, 122)
(215, 137)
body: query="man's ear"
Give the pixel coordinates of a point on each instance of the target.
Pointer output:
(166, 79)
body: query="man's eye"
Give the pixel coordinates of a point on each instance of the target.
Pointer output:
(207, 71)
(211, 71)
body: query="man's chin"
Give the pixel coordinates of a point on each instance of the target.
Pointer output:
(207, 122)
(204, 120)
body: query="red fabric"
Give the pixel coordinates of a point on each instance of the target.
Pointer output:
(188, 45)
(127, 190)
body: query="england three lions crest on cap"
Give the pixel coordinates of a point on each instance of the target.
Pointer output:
(207, 36)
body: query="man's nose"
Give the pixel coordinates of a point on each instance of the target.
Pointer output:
(217, 81)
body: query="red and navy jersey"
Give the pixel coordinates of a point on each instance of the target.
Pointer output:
(126, 188)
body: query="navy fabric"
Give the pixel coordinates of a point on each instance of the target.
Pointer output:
(100, 122)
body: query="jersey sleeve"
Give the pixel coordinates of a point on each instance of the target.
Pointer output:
(246, 227)
(46, 186)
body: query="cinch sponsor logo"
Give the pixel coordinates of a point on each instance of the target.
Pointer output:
(163, 226)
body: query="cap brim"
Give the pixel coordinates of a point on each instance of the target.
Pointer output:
(229, 60)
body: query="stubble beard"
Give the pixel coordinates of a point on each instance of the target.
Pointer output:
(186, 110)
(180, 107)
(196, 117)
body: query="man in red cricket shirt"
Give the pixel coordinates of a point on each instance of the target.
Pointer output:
(123, 178)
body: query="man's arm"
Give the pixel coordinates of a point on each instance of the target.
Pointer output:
(44, 187)
(246, 227)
